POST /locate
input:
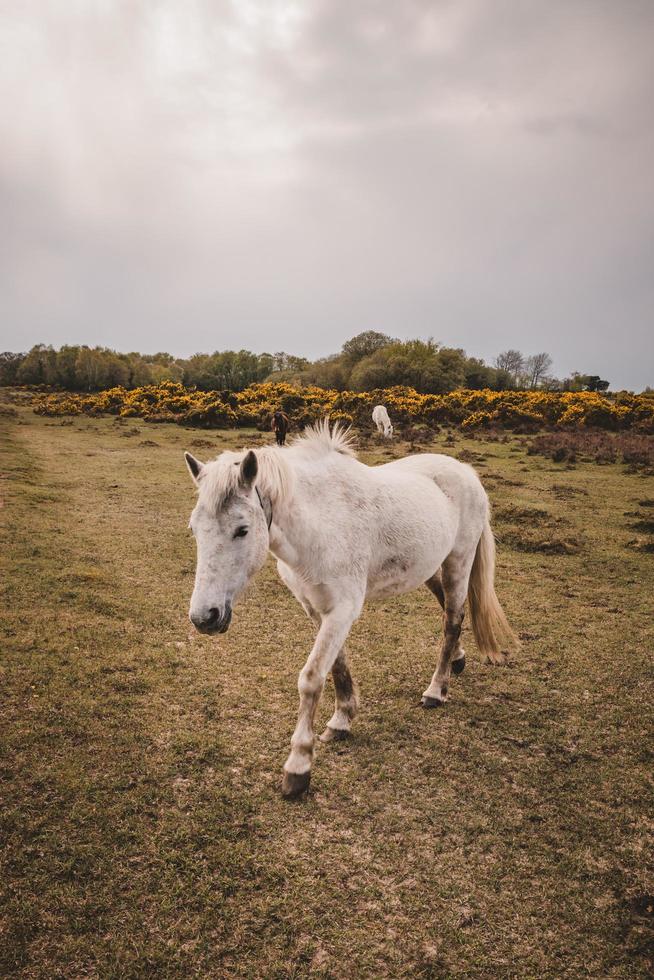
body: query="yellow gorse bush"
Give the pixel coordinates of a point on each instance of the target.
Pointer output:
(171, 402)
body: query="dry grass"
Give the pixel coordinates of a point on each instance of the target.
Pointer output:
(506, 836)
(535, 529)
(636, 449)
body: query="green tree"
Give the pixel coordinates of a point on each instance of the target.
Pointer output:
(422, 365)
(365, 344)
(584, 382)
(39, 367)
(329, 372)
(595, 383)
(231, 370)
(479, 375)
(97, 368)
(65, 361)
(281, 361)
(9, 367)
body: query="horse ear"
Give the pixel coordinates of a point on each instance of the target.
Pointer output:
(196, 468)
(249, 469)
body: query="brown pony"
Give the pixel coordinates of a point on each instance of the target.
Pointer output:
(280, 425)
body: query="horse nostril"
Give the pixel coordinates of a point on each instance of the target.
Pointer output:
(212, 620)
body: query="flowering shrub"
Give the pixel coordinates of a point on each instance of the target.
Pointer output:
(477, 420)
(254, 406)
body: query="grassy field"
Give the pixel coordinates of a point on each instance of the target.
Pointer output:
(508, 835)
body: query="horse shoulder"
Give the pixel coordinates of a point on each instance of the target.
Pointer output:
(331, 516)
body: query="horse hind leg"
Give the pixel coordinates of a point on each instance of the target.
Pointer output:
(451, 590)
(347, 701)
(435, 586)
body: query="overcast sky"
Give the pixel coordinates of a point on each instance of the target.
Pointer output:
(280, 175)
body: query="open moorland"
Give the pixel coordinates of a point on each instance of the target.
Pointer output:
(143, 835)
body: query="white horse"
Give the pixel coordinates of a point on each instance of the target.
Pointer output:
(382, 421)
(344, 532)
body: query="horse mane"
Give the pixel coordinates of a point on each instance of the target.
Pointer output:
(221, 476)
(275, 476)
(319, 439)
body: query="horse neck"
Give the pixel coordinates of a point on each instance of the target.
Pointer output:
(293, 531)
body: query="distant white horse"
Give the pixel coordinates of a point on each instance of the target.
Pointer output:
(344, 532)
(382, 421)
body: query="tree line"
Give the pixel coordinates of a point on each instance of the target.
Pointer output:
(365, 362)
(533, 372)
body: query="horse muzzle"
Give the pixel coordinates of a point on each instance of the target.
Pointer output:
(211, 621)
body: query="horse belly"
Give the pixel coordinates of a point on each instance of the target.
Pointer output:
(396, 584)
(405, 572)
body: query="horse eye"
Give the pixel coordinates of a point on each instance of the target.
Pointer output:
(240, 532)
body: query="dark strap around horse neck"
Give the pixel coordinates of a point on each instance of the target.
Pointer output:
(266, 510)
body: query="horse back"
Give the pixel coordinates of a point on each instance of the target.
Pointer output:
(458, 481)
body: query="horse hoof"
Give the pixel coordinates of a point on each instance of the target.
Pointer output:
(334, 735)
(458, 666)
(431, 702)
(294, 784)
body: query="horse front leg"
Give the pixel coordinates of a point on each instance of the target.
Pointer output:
(347, 701)
(331, 637)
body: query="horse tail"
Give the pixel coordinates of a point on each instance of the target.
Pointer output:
(489, 623)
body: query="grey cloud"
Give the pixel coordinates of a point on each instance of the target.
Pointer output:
(282, 175)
